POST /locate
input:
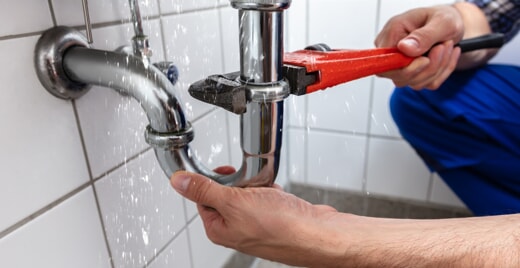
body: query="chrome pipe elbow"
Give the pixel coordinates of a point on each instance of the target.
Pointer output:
(67, 67)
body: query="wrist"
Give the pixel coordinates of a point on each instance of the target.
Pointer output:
(475, 24)
(473, 19)
(334, 240)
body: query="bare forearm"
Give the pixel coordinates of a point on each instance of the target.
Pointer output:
(475, 24)
(274, 225)
(467, 242)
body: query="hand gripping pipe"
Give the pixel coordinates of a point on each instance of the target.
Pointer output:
(67, 67)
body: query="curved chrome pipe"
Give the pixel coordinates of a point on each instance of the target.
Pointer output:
(67, 67)
(131, 76)
(169, 132)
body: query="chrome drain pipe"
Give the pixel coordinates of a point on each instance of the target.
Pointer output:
(67, 66)
(261, 62)
(257, 92)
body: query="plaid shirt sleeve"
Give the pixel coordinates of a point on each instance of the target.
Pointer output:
(503, 15)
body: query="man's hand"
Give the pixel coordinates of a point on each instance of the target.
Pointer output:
(260, 221)
(435, 29)
(274, 225)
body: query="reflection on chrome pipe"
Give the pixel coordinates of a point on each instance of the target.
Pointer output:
(169, 132)
(261, 62)
(131, 76)
(261, 50)
(261, 137)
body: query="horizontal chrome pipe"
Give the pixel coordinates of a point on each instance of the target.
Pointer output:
(131, 76)
(169, 131)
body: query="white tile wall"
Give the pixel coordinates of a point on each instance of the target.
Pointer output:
(177, 254)
(230, 42)
(140, 211)
(336, 160)
(178, 6)
(442, 194)
(509, 53)
(193, 43)
(60, 210)
(35, 18)
(71, 12)
(394, 169)
(34, 124)
(205, 254)
(347, 107)
(297, 143)
(68, 235)
(342, 24)
(381, 122)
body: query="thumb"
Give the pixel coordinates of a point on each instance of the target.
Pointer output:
(197, 188)
(419, 41)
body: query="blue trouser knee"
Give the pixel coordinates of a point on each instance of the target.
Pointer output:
(468, 131)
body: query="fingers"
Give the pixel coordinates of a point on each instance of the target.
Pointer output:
(197, 188)
(427, 72)
(417, 31)
(443, 60)
(407, 75)
(443, 25)
(429, 77)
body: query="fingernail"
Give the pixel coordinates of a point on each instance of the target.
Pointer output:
(410, 42)
(180, 181)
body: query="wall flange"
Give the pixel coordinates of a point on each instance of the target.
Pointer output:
(48, 62)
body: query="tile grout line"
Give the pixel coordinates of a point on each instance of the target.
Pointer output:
(62, 199)
(429, 194)
(185, 227)
(223, 66)
(94, 190)
(166, 245)
(188, 234)
(369, 136)
(161, 26)
(102, 24)
(126, 161)
(53, 14)
(42, 210)
(306, 137)
(343, 132)
(370, 111)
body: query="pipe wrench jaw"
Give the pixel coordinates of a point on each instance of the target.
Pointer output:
(222, 90)
(299, 79)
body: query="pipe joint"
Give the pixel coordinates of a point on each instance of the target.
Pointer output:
(176, 140)
(261, 5)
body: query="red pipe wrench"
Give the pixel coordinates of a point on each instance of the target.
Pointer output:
(310, 70)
